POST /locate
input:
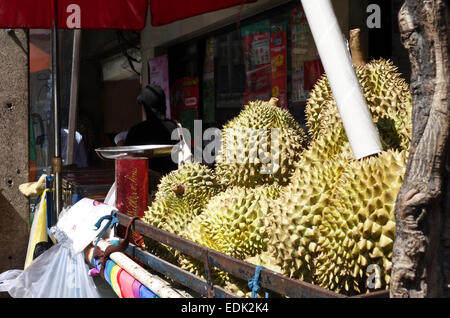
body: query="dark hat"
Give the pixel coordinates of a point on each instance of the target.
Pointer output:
(153, 96)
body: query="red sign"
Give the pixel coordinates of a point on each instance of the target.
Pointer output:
(313, 71)
(132, 188)
(278, 56)
(256, 46)
(184, 94)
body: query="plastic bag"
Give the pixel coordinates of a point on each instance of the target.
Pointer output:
(38, 232)
(78, 222)
(57, 273)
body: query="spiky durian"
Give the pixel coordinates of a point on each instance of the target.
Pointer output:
(334, 217)
(234, 221)
(259, 146)
(359, 230)
(296, 217)
(181, 196)
(388, 98)
(192, 182)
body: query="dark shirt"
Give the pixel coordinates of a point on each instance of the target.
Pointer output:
(152, 132)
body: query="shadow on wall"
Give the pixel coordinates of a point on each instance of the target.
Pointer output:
(12, 248)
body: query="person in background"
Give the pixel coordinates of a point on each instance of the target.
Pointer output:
(81, 160)
(154, 130)
(119, 139)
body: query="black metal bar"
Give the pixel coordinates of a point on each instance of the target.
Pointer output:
(181, 276)
(56, 110)
(209, 283)
(269, 279)
(375, 294)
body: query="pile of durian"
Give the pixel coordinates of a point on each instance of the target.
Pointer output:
(316, 214)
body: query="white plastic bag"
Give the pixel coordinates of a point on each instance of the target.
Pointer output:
(78, 223)
(56, 273)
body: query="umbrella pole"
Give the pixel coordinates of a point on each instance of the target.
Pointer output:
(73, 97)
(56, 161)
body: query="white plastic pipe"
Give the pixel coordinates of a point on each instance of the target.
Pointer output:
(159, 286)
(337, 62)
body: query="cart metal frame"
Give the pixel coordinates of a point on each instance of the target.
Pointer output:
(270, 280)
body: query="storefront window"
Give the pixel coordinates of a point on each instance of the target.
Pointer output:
(230, 71)
(41, 132)
(269, 56)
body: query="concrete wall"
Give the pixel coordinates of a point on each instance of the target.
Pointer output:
(179, 31)
(14, 150)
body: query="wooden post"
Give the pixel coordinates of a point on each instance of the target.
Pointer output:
(421, 211)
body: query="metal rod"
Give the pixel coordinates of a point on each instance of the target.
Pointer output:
(73, 97)
(56, 112)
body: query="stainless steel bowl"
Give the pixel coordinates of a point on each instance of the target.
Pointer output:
(149, 151)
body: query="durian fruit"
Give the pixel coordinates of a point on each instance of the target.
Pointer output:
(359, 230)
(259, 146)
(181, 196)
(317, 107)
(335, 219)
(234, 221)
(327, 147)
(294, 230)
(388, 98)
(192, 182)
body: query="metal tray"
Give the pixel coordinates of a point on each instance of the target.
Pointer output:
(149, 151)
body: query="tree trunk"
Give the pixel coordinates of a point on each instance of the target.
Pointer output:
(422, 211)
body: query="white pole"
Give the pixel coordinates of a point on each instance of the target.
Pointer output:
(337, 62)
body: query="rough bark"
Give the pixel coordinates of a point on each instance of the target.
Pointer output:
(421, 214)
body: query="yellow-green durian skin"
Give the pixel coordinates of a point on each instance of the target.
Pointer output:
(335, 219)
(359, 228)
(199, 181)
(325, 217)
(259, 146)
(234, 221)
(336, 216)
(172, 211)
(296, 217)
(388, 98)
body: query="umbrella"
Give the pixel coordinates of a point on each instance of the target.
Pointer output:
(94, 14)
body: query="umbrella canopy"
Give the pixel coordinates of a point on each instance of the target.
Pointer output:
(74, 14)
(103, 14)
(167, 11)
